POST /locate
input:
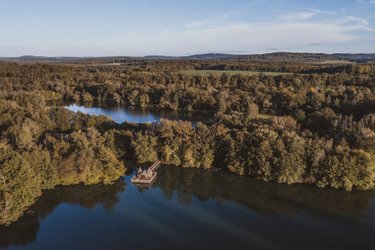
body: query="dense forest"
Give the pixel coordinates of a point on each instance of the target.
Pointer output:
(288, 122)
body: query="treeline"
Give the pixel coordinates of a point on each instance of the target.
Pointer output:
(267, 152)
(320, 103)
(157, 84)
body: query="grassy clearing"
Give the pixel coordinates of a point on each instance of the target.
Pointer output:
(230, 72)
(333, 62)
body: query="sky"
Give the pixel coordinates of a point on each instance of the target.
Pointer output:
(184, 27)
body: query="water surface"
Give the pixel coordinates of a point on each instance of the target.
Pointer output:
(190, 209)
(121, 114)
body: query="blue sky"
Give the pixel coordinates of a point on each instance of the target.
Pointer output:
(177, 27)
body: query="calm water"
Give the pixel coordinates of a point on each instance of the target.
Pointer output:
(121, 114)
(193, 209)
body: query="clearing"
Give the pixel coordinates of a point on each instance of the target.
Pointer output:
(230, 72)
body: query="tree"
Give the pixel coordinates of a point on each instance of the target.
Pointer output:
(145, 148)
(349, 169)
(292, 163)
(20, 185)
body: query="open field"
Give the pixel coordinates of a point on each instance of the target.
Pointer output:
(230, 72)
(328, 62)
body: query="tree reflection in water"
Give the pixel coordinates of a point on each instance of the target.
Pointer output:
(264, 198)
(182, 200)
(25, 230)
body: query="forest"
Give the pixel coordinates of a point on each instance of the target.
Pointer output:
(308, 123)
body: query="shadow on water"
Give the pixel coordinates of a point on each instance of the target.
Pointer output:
(281, 216)
(264, 198)
(186, 208)
(25, 230)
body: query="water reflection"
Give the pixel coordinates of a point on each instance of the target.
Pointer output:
(121, 114)
(25, 230)
(191, 208)
(264, 198)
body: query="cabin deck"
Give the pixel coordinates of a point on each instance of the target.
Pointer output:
(146, 177)
(144, 181)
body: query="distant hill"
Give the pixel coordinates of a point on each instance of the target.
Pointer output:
(277, 56)
(357, 57)
(287, 56)
(30, 58)
(159, 57)
(210, 56)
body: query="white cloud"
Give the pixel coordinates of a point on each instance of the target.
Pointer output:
(246, 37)
(301, 15)
(303, 30)
(366, 1)
(362, 21)
(299, 29)
(305, 14)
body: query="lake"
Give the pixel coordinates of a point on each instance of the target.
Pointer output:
(120, 114)
(195, 209)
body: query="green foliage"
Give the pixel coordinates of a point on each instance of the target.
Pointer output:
(348, 169)
(88, 160)
(20, 185)
(263, 154)
(203, 146)
(145, 148)
(292, 160)
(42, 148)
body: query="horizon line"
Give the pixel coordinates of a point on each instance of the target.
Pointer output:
(191, 55)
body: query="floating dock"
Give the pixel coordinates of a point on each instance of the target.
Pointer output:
(146, 177)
